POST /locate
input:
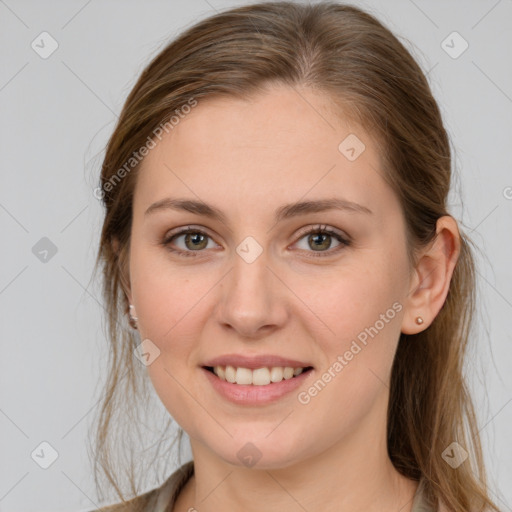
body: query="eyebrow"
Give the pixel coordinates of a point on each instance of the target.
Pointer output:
(284, 212)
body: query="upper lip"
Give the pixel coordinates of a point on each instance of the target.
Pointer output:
(253, 362)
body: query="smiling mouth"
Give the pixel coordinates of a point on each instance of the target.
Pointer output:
(256, 377)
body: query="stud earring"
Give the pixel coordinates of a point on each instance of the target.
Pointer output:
(419, 320)
(133, 319)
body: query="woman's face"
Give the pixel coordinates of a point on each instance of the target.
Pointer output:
(256, 284)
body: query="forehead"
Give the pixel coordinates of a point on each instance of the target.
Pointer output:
(272, 148)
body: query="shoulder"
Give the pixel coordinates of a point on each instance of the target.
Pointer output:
(443, 507)
(158, 499)
(420, 502)
(141, 503)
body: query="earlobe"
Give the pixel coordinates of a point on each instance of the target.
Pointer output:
(133, 316)
(432, 277)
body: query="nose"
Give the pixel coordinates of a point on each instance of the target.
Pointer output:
(252, 300)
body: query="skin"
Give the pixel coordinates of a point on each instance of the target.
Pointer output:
(247, 158)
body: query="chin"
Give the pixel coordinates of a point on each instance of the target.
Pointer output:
(262, 453)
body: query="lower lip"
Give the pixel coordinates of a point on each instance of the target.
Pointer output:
(248, 394)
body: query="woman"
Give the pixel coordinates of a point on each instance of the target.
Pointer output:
(276, 229)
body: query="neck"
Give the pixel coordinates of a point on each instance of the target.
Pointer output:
(354, 475)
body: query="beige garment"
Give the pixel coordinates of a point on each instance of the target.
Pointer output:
(163, 498)
(170, 489)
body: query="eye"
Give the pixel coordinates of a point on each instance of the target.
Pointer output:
(194, 241)
(320, 238)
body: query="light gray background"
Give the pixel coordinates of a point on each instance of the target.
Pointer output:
(56, 115)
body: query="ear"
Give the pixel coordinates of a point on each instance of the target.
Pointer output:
(122, 255)
(432, 276)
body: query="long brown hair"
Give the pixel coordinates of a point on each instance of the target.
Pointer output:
(349, 55)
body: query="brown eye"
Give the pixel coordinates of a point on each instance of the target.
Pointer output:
(319, 240)
(194, 240)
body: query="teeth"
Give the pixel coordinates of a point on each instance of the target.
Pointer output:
(257, 377)
(243, 376)
(276, 374)
(221, 372)
(288, 373)
(230, 373)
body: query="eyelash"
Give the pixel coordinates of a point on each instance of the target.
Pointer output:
(316, 229)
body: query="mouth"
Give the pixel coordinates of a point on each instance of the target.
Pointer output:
(263, 376)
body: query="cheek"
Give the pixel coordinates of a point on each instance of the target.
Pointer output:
(363, 311)
(166, 296)
(352, 299)
(360, 310)
(168, 309)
